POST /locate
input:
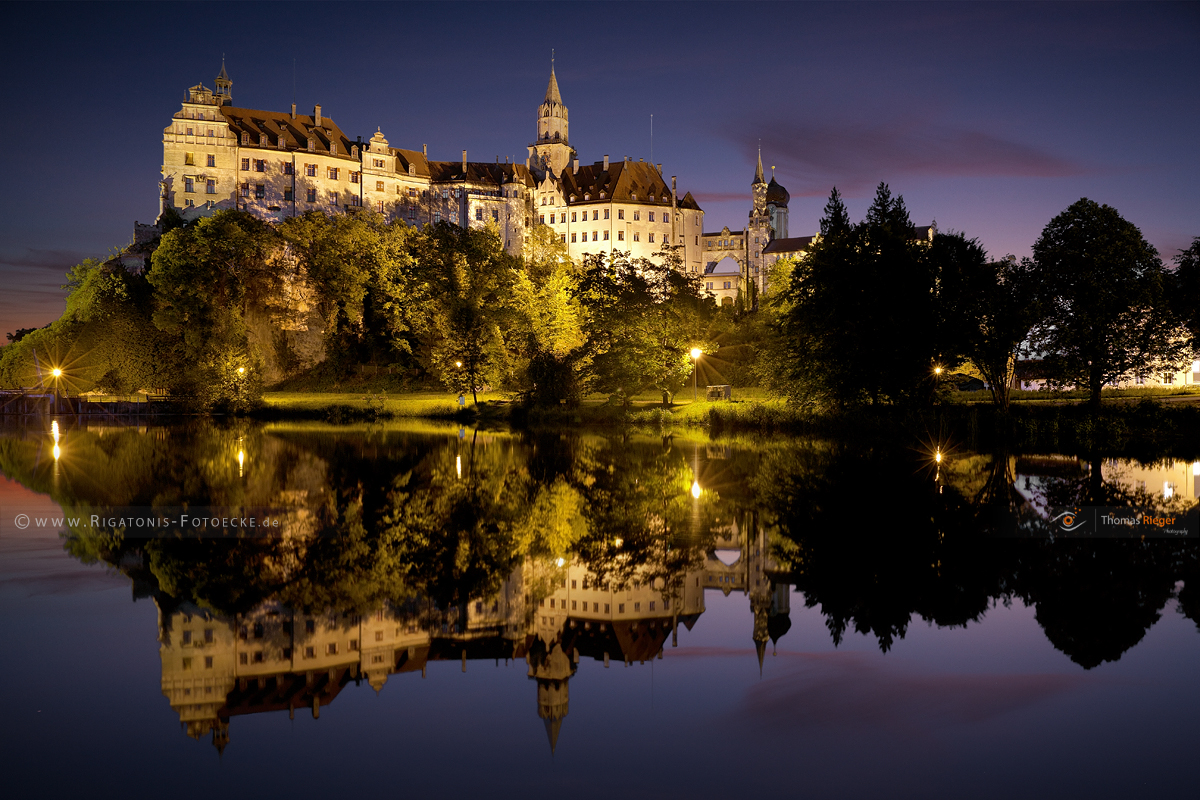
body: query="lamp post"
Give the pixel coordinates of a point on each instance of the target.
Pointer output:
(696, 353)
(57, 373)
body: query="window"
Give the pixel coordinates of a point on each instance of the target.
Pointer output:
(666, 605)
(245, 138)
(189, 159)
(379, 206)
(312, 144)
(331, 649)
(208, 662)
(353, 645)
(572, 237)
(245, 165)
(258, 656)
(310, 170)
(210, 186)
(208, 635)
(260, 191)
(379, 186)
(495, 215)
(595, 214)
(378, 162)
(595, 236)
(245, 190)
(333, 198)
(573, 216)
(310, 626)
(651, 215)
(412, 213)
(620, 213)
(187, 185)
(728, 285)
(187, 637)
(189, 131)
(243, 658)
(563, 238)
(260, 165)
(620, 608)
(606, 236)
(542, 219)
(620, 236)
(355, 177)
(606, 213)
(708, 285)
(573, 605)
(310, 652)
(288, 168)
(651, 239)
(379, 636)
(479, 214)
(636, 236)
(333, 148)
(211, 161)
(637, 606)
(331, 173)
(312, 198)
(287, 196)
(412, 192)
(637, 215)
(355, 200)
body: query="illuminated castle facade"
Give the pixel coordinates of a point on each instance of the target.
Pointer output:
(278, 164)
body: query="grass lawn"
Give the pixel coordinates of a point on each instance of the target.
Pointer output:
(408, 404)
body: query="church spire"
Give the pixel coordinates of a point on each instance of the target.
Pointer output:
(552, 95)
(758, 173)
(224, 89)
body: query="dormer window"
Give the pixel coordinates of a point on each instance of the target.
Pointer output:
(333, 148)
(354, 151)
(262, 139)
(312, 144)
(633, 195)
(412, 169)
(587, 197)
(602, 195)
(245, 138)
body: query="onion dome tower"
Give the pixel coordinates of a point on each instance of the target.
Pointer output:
(777, 207)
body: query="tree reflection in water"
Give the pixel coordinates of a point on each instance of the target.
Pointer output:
(403, 547)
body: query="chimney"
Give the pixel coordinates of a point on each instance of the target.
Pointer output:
(317, 116)
(659, 168)
(425, 151)
(575, 166)
(464, 162)
(606, 162)
(293, 110)
(672, 190)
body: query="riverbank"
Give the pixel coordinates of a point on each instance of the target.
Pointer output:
(1148, 424)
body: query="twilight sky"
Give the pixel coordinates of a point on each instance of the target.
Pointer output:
(989, 118)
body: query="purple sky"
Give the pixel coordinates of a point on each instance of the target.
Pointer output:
(989, 118)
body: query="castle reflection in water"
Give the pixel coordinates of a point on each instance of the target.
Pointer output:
(215, 668)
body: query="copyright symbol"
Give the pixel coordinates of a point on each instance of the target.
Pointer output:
(22, 521)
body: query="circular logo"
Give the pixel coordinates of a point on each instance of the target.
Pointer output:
(22, 521)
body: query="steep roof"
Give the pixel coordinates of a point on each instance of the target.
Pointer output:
(623, 181)
(295, 132)
(758, 173)
(552, 95)
(689, 203)
(479, 172)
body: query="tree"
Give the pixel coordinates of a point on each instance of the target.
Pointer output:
(1105, 315)
(856, 319)
(1185, 292)
(468, 305)
(985, 309)
(204, 276)
(641, 321)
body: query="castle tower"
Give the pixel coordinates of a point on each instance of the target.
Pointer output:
(552, 670)
(224, 91)
(758, 234)
(777, 208)
(552, 151)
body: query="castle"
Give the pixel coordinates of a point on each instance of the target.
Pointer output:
(277, 164)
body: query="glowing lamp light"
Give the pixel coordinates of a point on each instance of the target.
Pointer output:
(937, 370)
(618, 541)
(559, 562)
(241, 370)
(241, 461)
(1168, 490)
(458, 465)
(57, 452)
(458, 364)
(696, 489)
(937, 456)
(697, 352)
(1196, 467)
(56, 372)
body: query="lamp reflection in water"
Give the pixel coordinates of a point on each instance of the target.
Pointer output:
(55, 435)
(696, 489)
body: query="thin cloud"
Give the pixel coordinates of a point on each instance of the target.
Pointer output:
(849, 692)
(855, 156)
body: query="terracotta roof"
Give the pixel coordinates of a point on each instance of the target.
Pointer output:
(414, 158)
(295, 132)
(795, 244)
(620, 182)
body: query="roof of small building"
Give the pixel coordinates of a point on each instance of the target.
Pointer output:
(726, 266)
(295, 131)
(795, 244)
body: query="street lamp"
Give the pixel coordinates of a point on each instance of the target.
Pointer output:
(57, 373)
(696, 353)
